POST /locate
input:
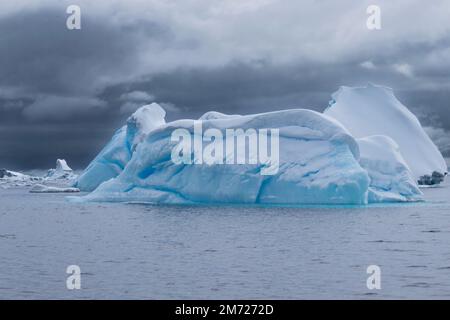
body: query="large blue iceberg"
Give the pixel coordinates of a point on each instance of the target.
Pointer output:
(318, 164)
(319, 160)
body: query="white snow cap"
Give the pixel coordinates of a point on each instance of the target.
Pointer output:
(374, 110)
(116, 154)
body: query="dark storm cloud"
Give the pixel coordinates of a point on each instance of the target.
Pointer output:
(41, 56)
(52, 73)
(34, 146)
(63, 93)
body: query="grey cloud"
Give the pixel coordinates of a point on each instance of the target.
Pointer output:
(62, 108)
(134, 100)
(441, 138)
(194, 56)
(130, 107)
(136, 96)
(39, 55)
(34, 146)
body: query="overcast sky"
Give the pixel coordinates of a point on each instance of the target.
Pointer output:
(64, 92)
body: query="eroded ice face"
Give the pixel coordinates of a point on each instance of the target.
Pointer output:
(317, 165)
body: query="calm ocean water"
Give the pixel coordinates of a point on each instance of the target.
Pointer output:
(156, 252)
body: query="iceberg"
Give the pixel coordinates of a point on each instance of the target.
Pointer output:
(390, 177)
(374, 110)
(358, 151)
(318, 164)
(115, 155)
(62, 171)
(210, 115)
(62, 175)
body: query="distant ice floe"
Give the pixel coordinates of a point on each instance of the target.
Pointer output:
(61, 176)
(40, 188)
(16, 179)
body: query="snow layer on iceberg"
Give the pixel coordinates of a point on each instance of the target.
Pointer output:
(374, 110)
(390, 177)
(115, 155)
(210, 115)
(318, 164)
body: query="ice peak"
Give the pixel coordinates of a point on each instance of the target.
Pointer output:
(143, 121)
(116, 154)
(147, 117)
(62, 171)
(374, 110)
(61, 165)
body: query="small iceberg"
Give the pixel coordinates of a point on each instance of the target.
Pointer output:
(61, 172)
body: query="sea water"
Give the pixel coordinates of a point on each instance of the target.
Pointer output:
(142, 251)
